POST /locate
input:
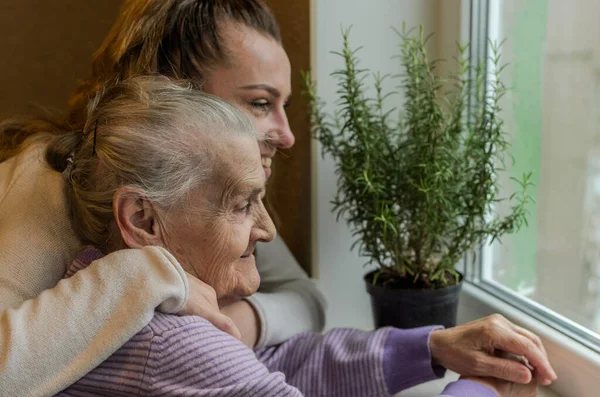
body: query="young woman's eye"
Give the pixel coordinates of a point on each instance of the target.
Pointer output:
(262, 105)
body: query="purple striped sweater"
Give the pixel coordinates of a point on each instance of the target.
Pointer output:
(188, 356)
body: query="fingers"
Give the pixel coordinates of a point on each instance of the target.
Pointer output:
(543, 375)
(530, 335)
(505, 368)
(202, 302)
(225, 324)
(211, 313)
(495, 334)
(215, 317)
(515, 343)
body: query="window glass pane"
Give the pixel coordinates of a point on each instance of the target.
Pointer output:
(552, 112)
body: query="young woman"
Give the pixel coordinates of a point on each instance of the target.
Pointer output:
(230, 48)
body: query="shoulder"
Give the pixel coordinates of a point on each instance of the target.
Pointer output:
(190, 352)
(164, 325)
(123, 372)
(193, 337)
(38, 240)
(26, 169)
(171, 353)
(177, 355)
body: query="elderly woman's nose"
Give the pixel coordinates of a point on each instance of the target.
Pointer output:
(264, 229)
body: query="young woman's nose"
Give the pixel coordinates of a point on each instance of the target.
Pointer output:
(285, 137)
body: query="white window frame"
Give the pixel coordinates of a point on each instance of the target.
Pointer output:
(573, 350)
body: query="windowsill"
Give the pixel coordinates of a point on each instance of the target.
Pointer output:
(577, 366)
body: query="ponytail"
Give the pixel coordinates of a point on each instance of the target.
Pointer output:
(17, 133)
(61, 148)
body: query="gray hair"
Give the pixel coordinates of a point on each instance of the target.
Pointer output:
(148, 133)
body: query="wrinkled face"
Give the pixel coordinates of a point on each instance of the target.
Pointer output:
(215, 234)
(256, 78)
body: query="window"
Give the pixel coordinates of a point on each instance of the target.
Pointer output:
(550, 269)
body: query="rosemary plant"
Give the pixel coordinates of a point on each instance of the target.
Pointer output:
(418, 191)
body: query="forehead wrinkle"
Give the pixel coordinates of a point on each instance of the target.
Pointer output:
(235, 169)
(248, 186)
(235, 180)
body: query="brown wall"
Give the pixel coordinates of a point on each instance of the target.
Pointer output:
(290, 187)
(46, 46)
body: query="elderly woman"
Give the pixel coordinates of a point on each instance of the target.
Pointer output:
(177, 174)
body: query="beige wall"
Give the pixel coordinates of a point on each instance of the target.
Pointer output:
(340, 268)
(46, 46)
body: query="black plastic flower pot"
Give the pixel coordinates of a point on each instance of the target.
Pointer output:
(411, 308)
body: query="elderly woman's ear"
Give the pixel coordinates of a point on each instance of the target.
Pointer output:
(136, 219)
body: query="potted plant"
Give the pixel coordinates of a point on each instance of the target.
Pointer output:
(418, 191)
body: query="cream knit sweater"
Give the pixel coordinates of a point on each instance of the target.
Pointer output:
(52, 333)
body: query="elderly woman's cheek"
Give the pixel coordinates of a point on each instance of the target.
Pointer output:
(250, 278)
(235, 280)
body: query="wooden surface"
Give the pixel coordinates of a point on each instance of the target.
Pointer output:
(46, 46)
(290, 185)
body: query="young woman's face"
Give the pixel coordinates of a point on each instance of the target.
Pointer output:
(256, 78)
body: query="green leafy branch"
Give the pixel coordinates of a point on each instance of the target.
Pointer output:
(418, 192)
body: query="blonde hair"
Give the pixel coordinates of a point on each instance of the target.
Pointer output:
(148, 133)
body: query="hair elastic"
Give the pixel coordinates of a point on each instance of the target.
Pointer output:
(68, 171)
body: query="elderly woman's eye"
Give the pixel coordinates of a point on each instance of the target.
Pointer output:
(244, 209)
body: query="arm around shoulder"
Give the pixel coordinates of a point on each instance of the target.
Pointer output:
(67, 331)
